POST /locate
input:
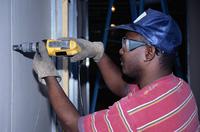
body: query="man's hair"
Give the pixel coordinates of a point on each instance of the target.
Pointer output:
(166, 61)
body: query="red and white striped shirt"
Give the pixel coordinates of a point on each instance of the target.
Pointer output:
(166, 105)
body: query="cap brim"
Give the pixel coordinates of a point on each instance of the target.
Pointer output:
(128, 27)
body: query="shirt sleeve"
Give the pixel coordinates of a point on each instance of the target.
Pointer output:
(115, 118)
(80, 124)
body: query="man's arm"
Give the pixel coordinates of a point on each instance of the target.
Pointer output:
(47, 74)
(65, 110)
(111, 73)
(112, 76)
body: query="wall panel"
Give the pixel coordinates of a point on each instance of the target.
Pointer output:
(31, 22)
(24, 104)
(5, 66)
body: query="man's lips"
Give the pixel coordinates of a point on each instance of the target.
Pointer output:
(122, 60)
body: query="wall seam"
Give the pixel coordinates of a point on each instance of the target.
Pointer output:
(12, 64)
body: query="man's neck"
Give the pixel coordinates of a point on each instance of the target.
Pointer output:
(152, 77)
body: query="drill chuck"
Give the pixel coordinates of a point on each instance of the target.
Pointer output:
(26, 47)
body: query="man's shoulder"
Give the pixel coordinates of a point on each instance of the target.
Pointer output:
(156, 92)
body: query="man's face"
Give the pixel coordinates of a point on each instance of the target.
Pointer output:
(131, 61)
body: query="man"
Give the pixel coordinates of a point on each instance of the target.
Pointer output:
(159, 101)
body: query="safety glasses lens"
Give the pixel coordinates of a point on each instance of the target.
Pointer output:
(128, 44)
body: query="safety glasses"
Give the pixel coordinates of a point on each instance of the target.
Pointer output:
(128, 44)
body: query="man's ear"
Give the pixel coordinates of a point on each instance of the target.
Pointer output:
(149, 53)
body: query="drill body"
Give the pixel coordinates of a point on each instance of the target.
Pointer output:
(54, 47)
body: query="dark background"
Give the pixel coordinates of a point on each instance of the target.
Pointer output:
(98, 9)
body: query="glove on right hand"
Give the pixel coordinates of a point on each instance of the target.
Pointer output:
(93, 50)
(43, 65)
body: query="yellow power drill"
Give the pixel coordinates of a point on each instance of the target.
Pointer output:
(54, 47)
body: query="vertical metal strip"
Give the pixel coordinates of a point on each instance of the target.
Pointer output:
(105, 36)
(141, 9)
(64, 18)
(59, 18)
(59, 35)
(73, 80)
(96, 87)
(188, 46)
(87, 65)
(95, 93)
(87, 87)
(53, 20)
(59, 59)
(65, 71)
(133, 9)
(164, 6)
(178, 68)
(53, 36)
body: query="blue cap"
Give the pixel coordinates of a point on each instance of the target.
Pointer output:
(158, 28)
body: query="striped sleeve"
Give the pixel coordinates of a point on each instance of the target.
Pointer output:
(113, 119)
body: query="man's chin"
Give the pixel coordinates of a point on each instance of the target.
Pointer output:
(127, 78)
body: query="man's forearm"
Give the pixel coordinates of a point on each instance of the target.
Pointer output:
(112, 76)
(65, 110)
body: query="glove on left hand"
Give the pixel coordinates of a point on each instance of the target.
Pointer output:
(93, 50)
(43, 65)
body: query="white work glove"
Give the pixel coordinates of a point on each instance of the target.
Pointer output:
(43, 65)
(93, 50)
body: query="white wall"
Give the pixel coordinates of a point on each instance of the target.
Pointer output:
(24, 105)
(5, 66)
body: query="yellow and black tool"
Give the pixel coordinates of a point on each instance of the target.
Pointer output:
(54, 47)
